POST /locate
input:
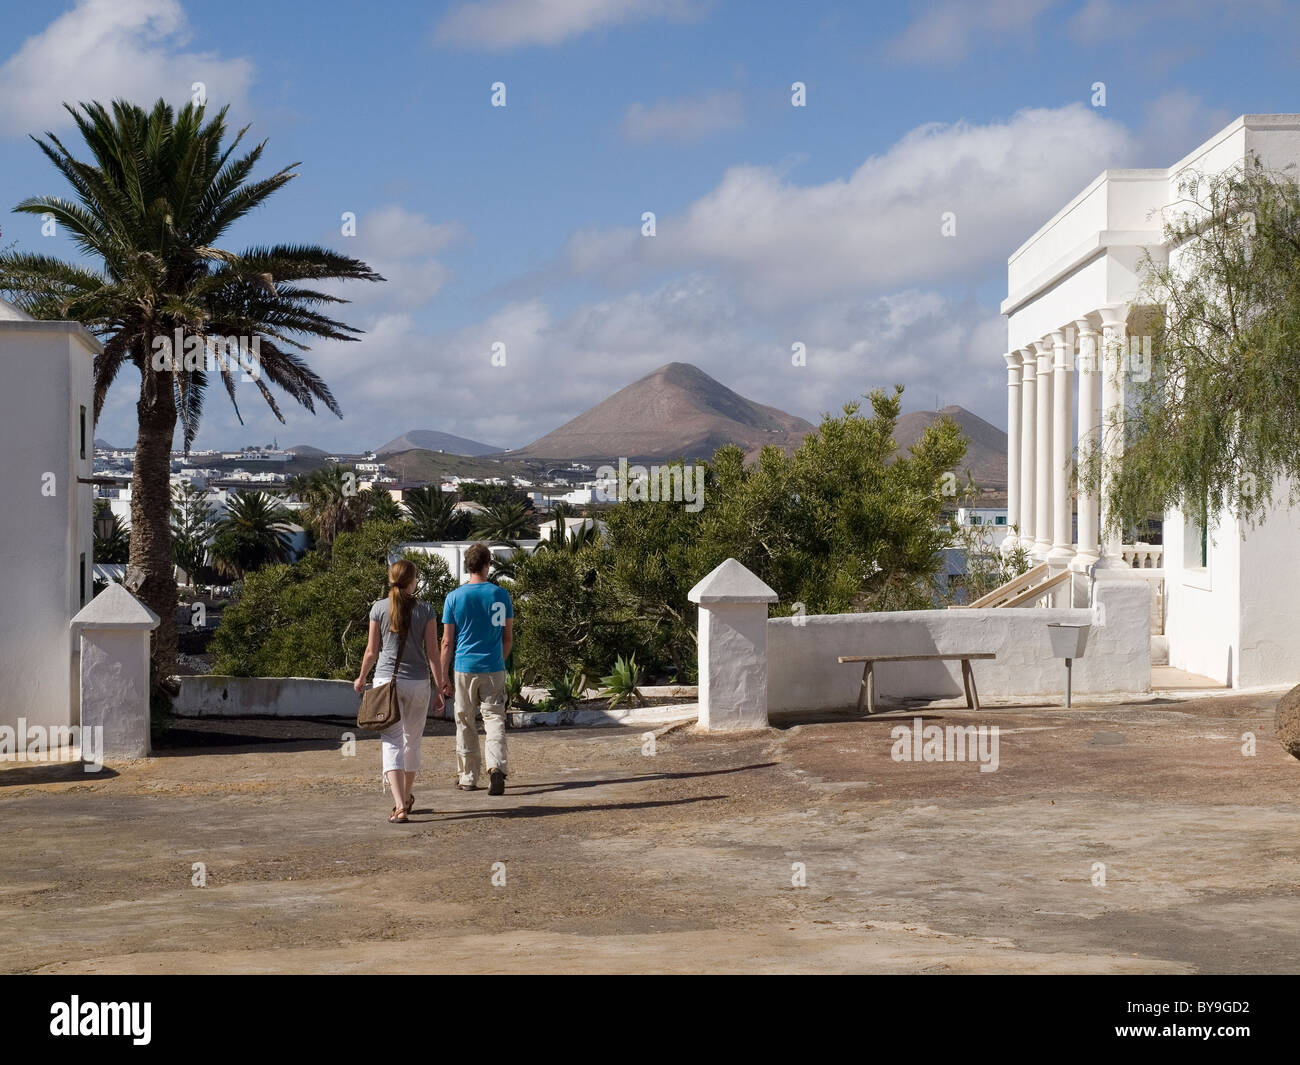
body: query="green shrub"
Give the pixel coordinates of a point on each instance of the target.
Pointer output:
(310, 619)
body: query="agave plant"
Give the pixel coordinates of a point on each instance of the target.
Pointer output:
(515, 691)
(566, 690)
(623, 683)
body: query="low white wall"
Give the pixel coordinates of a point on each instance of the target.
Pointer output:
(803, 674)
(214, 696)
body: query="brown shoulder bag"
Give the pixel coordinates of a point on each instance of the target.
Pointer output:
(379, 709)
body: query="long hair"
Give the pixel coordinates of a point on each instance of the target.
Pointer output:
(400, 601)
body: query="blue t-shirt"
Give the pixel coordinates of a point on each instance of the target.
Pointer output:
(479, 612)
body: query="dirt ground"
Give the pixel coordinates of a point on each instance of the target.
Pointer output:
(682, 860)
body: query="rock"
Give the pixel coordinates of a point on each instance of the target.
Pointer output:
(1288, 721)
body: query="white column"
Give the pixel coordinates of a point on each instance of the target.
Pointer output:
(1062, 448)
(1113, 319)
(1014, 445)
(732, 647)
(1089, 389)
(1043, 457)
(1028, 446)
(114, 628)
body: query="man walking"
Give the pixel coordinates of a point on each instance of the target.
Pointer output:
(478, 629)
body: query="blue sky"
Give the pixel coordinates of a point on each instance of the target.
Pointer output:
(775, 224)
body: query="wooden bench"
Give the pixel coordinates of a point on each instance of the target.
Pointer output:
(867, 692)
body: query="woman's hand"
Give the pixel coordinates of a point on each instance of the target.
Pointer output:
(437, 701)
(359, 685)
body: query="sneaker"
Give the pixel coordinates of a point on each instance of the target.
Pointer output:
(496, 782)
(467, 787)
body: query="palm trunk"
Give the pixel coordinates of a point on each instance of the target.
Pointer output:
(151, 541)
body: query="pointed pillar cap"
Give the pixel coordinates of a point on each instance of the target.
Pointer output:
(731, 583)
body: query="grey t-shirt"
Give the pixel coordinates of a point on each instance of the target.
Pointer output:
(415, 663)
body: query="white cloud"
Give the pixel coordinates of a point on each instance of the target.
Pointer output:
(882, 225)
(105, 49)
(402, 246)
(950, 31)
(683, 120)
(500, 25)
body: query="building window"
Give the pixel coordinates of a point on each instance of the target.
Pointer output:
(83, 574)
(1196, 540)
(1001, 519)
(83, 432)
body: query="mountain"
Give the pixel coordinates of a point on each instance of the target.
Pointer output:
(105, 445)
(678, 411)
(306, 451)
(986, 450)
(433, 440)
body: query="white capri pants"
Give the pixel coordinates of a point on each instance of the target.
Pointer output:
(401, 740)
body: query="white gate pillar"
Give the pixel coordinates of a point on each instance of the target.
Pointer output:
(114, 629)
(732, 647)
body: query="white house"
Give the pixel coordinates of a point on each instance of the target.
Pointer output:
(1230, 611)
(47, 410)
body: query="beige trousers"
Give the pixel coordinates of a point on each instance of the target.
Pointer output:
(484, 692)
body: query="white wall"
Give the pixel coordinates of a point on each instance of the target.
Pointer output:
(46, 369)
(216, 696)
(1268, 650)
(803, 674)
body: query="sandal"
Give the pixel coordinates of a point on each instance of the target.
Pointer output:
(399, 817)
(410, 801)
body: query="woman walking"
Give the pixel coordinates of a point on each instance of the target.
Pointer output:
(402, 620)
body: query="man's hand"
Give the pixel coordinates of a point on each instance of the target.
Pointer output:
(448, 689)
(359, 685)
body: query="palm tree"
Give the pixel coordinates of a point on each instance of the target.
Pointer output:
(433, 514)
(381, 506)
(332, 502)
(571, 540)
(251, 534)
(115, 545)
(191, 528)
(504, 523)
(150, 207)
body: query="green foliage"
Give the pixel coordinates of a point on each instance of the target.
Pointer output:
(380, 505)
(251, 534)
(191, 527)
(1214, 424)
(515, 691)
(623, 683)
(491, 495)
(844, 524)
(310, 619)
(433, 515)
(332, 502)
(115, 547)
(504, 523)
(566, 690)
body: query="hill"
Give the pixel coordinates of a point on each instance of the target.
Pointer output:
(986, 452)
(306, 451)
(433, 440)
(676, 411)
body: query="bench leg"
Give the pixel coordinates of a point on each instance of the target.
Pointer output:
(867, 689)
(968, 679)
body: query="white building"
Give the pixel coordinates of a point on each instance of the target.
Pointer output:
(1231, 612)
(47, 410)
